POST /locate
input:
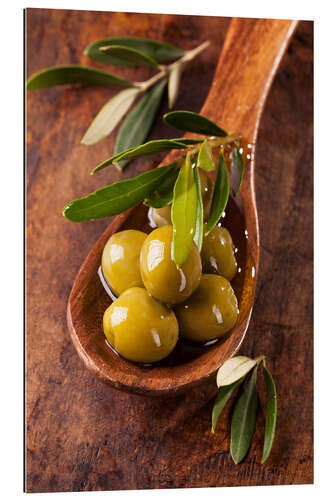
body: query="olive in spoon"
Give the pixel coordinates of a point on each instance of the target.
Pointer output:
(250, 56)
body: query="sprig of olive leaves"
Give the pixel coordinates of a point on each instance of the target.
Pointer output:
(124, 51)
(230, 376)
(177, 183)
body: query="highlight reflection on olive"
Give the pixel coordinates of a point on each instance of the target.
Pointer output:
(160, 275)
(139, 327)
(120, 260)
(210, 312)
(217, 253)
(161, 216)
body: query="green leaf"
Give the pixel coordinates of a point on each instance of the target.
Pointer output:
(221, 400)
(188, 141)
(161, 52)
(149, 148)
(205, 157)
(271, 413)
(237, 170)
(184, 212)
(220, 195)
(162, 196)
(174, 83)
(129, 55)
(138, 122)
(72, 74)
(198, 236)
(244, 420)
(189, 121)
(117, 197)
(109, 116)
(233, 369)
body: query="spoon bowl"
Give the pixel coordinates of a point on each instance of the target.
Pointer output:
(249, 59)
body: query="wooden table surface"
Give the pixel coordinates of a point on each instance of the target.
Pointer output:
(81, 434)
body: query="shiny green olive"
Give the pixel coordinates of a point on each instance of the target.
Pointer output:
(160, 275)
(120, 260)
(162, 216)
(210, 312)
(139, 327)
(217, 253)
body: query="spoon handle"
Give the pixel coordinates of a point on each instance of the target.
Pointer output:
(248, 62)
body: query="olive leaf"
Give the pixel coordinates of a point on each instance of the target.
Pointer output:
(160, 51)
(244, 420)
(221, 400)
(146, 149)
(205, 157)
(233, 369)
(198, 235)
(271, 413)
(184, 212)
(188, 121)
(188, 141)
(109, 116)
(220, 195)
(129, 55)
(117, 197)
(74, 74)
(162, 196)
(237, 170)
(174, 83)
(138, 122)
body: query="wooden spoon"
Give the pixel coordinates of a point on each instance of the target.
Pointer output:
(249, 59)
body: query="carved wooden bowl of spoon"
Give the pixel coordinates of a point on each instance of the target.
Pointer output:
(248, 62)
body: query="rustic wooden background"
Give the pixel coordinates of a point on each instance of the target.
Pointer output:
(81, 434)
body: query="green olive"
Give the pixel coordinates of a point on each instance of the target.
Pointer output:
(120, 260)
(160, 275)
(217, 253)
(210, 312)
(162, 216)
(139, 327)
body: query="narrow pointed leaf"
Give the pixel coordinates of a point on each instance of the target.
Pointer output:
(220, 195)
(244, 420)
(221, 400)
(129, 55)
(271, 413)
(198, 236)
(109, 116)
(184, 212)
(138, 122)
(162, 196)
(117, 197)
(237, 170)
(74, 74)
(160, 51)
(233, 369)
(205, 157)
(173, 84)
(188, 141)
(149, 148)
(189, 121)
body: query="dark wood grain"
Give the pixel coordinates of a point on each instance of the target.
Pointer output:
(82, 434)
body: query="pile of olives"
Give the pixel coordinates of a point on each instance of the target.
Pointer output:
(157, 301)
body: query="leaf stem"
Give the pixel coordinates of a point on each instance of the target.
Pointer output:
(217, 142)
(260, 359)
(166, 69)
